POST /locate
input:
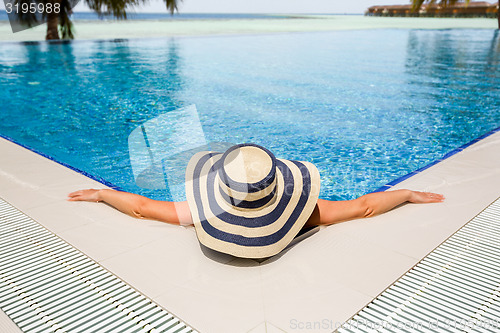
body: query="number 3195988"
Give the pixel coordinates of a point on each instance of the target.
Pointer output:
(33, 8)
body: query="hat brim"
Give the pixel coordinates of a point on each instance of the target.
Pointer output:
(250, 233)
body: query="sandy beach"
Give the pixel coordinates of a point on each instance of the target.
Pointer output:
(303, 23)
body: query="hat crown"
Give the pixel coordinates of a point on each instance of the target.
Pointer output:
(247, 177)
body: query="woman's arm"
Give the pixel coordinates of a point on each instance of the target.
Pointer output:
(329, 212)
(325, 213)
(138, 206)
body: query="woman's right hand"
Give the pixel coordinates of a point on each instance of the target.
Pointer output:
(85, 195)
(425, 197)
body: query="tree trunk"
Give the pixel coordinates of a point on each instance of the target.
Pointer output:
(52, 24)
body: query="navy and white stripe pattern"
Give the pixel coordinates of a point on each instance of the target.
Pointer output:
(246, 195)
(256, 218)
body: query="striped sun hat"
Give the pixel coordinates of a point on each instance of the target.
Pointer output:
(247, 203)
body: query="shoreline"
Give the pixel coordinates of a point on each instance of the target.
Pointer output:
(113, 29)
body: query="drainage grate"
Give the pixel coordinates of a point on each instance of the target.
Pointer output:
(46, 285)
(456, 288)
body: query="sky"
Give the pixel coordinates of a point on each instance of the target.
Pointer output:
(263, 6)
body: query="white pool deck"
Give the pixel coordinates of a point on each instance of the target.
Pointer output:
(324, 279)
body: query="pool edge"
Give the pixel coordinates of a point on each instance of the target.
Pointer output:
(382, 188)
(435, 162)
(84, 173)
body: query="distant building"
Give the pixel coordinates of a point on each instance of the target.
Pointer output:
(473, 9)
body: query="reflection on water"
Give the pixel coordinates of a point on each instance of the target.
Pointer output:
(82, 97)
(493, 53)
(455, 77)
(447, 59)
(365, 106)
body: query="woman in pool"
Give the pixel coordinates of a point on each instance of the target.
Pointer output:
(248, 203)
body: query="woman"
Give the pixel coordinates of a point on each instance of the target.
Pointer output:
(248, 203)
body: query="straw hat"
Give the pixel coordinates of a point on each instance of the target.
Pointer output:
(247, 203)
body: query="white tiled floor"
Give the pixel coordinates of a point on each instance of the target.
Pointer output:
(173, 260)
(313, 287)
(223, 298)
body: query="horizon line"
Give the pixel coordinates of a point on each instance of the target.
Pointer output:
(247, 13)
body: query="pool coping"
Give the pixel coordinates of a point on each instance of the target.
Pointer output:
(86, 174)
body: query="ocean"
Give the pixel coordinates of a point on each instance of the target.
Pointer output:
(90, 16)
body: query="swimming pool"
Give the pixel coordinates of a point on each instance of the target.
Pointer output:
(365, 106)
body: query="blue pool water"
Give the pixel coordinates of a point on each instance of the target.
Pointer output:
(366, 107)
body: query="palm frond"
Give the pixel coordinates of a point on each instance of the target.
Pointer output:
(118, 8)
(65, 24)
(172, 5)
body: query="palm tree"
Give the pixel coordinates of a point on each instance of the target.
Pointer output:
(61, 22)
(418, 3)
